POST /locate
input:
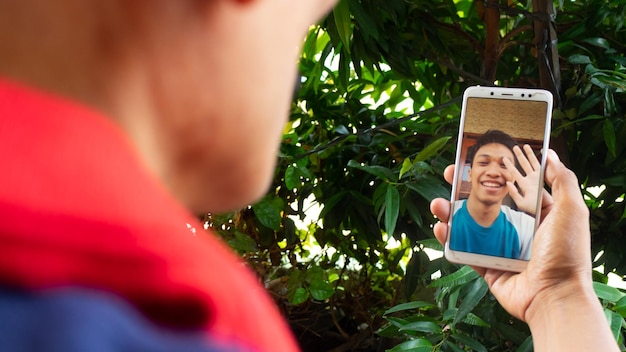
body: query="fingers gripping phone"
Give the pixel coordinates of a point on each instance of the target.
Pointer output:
(498, 178)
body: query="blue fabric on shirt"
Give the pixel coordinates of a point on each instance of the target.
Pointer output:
(80, 320)
(500, 239)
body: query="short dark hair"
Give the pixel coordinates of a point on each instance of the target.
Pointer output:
(491, 136)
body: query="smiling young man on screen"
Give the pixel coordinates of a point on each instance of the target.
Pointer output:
(482, 224)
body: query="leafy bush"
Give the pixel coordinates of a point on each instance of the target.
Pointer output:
(467, 317)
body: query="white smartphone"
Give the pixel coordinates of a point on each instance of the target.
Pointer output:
(498, 180)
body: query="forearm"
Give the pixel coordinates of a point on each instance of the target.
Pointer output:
(573, 323)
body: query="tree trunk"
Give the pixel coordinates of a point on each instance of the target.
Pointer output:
(490, 14)
(547, 51)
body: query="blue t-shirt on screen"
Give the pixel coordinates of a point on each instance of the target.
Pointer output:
(510, 236)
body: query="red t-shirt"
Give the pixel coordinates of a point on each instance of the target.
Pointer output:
(78, 208)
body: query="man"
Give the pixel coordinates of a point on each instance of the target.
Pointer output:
(482, 224)
(118, 117)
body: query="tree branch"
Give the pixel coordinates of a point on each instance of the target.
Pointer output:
(386, 125)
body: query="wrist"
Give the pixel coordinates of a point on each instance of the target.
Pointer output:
(566, 297)
(569, 317)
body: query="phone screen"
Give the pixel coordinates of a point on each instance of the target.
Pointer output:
(496, 202)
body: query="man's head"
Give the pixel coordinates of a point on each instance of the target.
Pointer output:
(201, 87)
(488, 174)
(491, 136)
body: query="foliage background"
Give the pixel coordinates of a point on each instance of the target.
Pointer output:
(343, 238)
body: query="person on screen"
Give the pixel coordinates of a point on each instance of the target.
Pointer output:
(482, 223)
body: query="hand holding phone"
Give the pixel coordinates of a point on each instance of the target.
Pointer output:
(498, 179)
(557, 284)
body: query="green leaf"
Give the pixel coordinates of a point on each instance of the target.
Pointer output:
(422, 326)
(417, 345)
(609, 103)
(321, 290)
(451, 346)
(590, 102)
(413, 272)
(341, 13)
(464, 275)
(473, 319)
(290, 232)
(300, 295)
(615, 322)
(453, 298)
(449, 314)
(469, 342)
(380, 172)
(388, 330)
(608, 132)
(392, 209)
(407, 165)
(620, 306)
(292, 179)
(431, 243)
(243, 242)
(310, 44)
(344, 69)
(397, 322)
(619, 59)
(599, 42)
(432, 149)
(607, 293)
(586, 118)
(341, 129)
(409, 306)
(579, 59)
(365, 21)
(379, 197)
(506, 330)
(429, 188)
(332, 202)
(607, 82)
(414, 213)
(526, 346)
(267, 214)
(478, 290)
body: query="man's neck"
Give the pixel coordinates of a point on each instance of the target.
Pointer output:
(484, 214)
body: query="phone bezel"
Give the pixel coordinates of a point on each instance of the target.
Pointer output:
(502, 93)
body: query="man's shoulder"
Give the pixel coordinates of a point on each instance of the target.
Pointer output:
(515, 215)
(458, 204)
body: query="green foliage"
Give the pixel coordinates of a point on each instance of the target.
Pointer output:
(466, 317)
(371, 129)
(614, 303)
(591, 122)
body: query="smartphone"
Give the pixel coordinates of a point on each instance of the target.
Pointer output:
(498, 178)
